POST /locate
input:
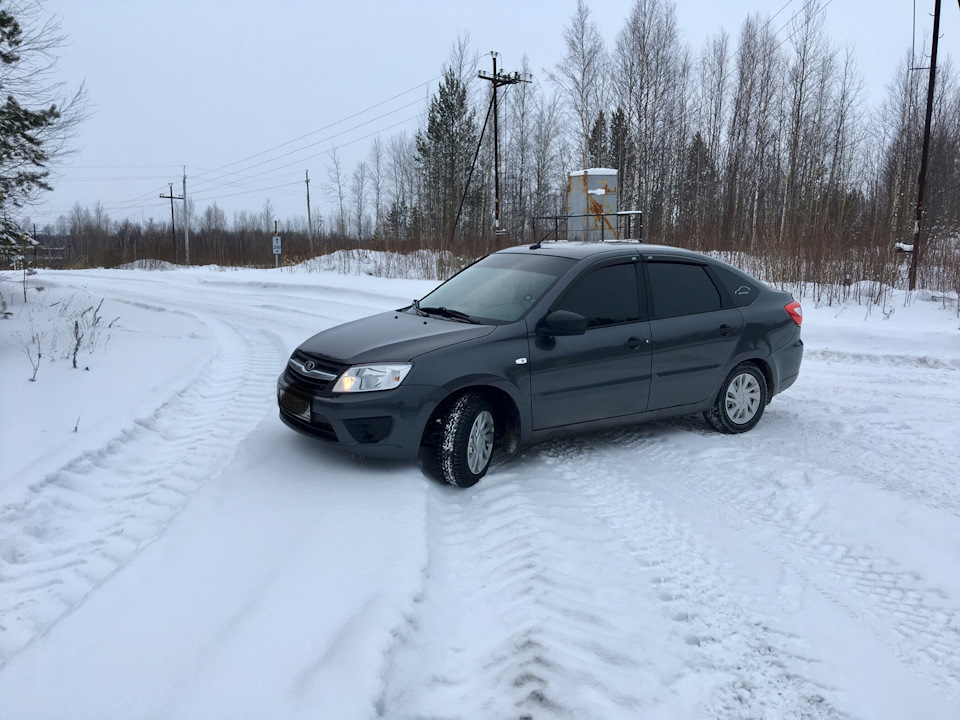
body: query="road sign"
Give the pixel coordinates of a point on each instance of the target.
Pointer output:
(276, 244)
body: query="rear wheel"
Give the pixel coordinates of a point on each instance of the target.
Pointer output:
(467, 435)
(741, 401)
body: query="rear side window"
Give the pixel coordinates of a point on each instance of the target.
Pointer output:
(741, 290)
(606, 296)
(681, 289)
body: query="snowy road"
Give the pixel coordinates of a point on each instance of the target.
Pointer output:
(184, 555)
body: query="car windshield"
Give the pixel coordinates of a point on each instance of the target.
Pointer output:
(497, 289)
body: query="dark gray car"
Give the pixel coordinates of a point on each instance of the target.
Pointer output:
(536, 341)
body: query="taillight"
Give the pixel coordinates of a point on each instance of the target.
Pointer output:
(795, 312)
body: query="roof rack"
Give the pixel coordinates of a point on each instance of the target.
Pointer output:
(617, 226)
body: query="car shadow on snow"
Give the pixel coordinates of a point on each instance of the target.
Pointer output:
(633, 436)
(334, 461)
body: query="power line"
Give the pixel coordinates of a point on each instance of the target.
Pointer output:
(766, 26)
(342, 145)
(333, 124)
(109, 178)
(220, 182)
(700, 101)
(136, 167)
(120, 205)
(790, 37)
(317, 142)
(248, 192)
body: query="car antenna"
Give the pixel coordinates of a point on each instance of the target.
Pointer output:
(538, 243)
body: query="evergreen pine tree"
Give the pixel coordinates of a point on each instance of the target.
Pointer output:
(597, 147)
(444, 154)
(31, 131)
(699, 187)
(622, 156)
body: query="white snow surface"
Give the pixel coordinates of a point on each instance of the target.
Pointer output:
(168, 549)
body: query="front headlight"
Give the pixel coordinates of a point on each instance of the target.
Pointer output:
(367, 378)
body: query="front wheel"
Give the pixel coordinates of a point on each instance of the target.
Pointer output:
(741, 401)
(467, 435)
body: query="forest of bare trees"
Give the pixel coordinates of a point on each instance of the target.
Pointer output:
(761, 144)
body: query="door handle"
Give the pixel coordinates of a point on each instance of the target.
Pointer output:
(724, 330)
(634, 343)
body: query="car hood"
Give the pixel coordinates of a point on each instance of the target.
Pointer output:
(390, 336)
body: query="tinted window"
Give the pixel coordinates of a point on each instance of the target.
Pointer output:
(681, 289)
(741, 290)
(605, 296)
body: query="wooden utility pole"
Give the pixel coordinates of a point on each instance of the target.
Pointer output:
(498, 79)
(173, 225)
(309, 219)
(186, 218)
(922, 181)
(276, 243)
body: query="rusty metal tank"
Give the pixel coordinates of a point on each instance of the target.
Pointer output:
(592, 205)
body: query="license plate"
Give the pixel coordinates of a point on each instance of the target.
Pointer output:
(295, 405)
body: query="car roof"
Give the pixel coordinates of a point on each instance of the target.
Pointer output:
(576, 250)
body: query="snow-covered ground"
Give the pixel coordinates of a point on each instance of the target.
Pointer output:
(168, 549)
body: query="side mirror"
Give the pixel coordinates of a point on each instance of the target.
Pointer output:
(562, 322)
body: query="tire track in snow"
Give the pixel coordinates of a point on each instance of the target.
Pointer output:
(83, 523)
(504, 611)
(877, 401)
(518, 602)
(752, 668)
(925, 362)
(918, 622)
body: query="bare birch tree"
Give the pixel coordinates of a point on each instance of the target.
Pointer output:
(336, 191)
(378, 173)
(580, 74)
(358, 193)
(648, 62)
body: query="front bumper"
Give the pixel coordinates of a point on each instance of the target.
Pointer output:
(385, 424)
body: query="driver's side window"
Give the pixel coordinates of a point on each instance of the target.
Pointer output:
(606, 296)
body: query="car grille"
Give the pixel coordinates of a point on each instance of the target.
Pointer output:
(322, 427)
(321, 374)
(318, 426)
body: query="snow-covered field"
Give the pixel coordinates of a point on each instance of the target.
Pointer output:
(168, 549)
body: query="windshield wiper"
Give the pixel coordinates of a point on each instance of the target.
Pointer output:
(416, 308)
(448, 313)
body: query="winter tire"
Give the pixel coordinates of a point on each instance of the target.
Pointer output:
(741, 401)
(467, 436)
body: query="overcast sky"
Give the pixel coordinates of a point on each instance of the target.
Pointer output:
(232, 85)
